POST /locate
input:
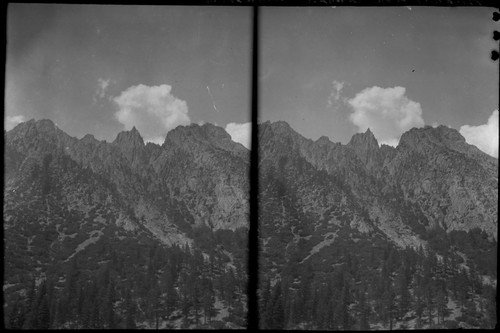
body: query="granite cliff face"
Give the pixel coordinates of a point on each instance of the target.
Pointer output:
(432, 178)
(453, 183)
(311, 190)
(197, 177)
(326, 210)
(349, 231)
(80, 213)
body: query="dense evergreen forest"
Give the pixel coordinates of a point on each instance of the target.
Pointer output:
(387, 288)
(153, 286)
(140, 286)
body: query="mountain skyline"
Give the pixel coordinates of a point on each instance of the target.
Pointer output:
(100, 69)
(130, 197)
(132, 230)
(242, 135)
(144, 157)
(343, 69)
(128, 234)
(341, 228)
(361, 153)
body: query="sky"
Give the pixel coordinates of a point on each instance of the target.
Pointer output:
(327, 71)
(338, 71)
(103, 69)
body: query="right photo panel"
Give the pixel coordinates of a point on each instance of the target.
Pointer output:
(378, 166)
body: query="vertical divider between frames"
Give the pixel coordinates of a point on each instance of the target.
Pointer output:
(253, 240)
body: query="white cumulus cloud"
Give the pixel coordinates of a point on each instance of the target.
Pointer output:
(13, 121)
(102, 87)
(240, 133)
(152, 110)
(484, 137)
(386, 111)
(336, 91)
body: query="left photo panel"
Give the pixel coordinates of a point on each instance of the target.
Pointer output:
(126, 166)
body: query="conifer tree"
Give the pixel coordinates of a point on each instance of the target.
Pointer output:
(43, 314)
(16, 317)
(363, 311)
(277, 309)
(208, 298)
(31, 306)
(185, 307)
(441, 306)
(130, 311)
(109, 311)
(266, 305)
(170, 292)
(155, 304)
(404, 299)
(491, 307)
(342, 312)
(429, 304)
(388, 301)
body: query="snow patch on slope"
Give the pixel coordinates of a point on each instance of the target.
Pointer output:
(328, 240)
(62, 236)
(94, 237)
(124, 222)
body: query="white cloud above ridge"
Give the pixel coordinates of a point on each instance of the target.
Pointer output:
(102, 89)
(153, 110)
(103, 85)
(240, 133)
(13, 121)
(157, 140)
(335, 95)
(484, 137)
(386, 111)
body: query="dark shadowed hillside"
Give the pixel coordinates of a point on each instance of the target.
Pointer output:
(359, 236)
(124, 234)
(127, 234)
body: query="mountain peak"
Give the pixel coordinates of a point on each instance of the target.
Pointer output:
(450, 133)
(42, 125)
(205, 132)
(215, 131)
(323, 140)
(280, 125)
(45, 124)
(89, 138)
(194, 137)
(417, 138)
(130, 138)
(34, 128)
(40, 135)
(365, 145)
(131, 145)
(279, 128)
(366, 140)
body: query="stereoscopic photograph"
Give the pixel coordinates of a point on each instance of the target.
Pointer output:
(126, 166)
(129, 183)
(378, 168)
